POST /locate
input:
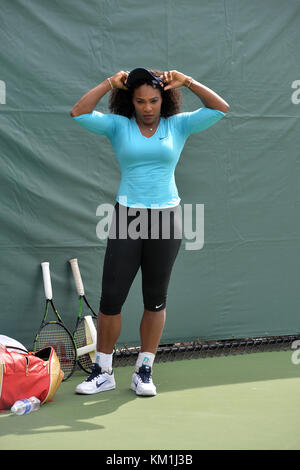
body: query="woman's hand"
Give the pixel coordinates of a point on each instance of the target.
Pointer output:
(174, 79)
(119, 79)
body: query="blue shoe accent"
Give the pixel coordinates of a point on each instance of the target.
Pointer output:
(96, 370)
(145, 373)
(142, 382)
(98, 381)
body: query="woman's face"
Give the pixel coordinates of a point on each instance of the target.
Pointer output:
(147, 101)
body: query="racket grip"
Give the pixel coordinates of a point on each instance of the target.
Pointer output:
(91, 337)
(90, 329)
(86, 349)
(47, 280)
(77, 277)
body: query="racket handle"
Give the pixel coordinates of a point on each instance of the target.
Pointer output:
(91, 337)
(77, 277)
(90, 330)
(47, 280)
(86, 349)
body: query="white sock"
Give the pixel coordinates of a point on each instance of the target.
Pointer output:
(104, 361)
(144, 358)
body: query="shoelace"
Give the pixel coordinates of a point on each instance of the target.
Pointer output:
(145, 373)
(96, 370)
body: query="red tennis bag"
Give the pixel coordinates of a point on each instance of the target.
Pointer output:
(25, 374)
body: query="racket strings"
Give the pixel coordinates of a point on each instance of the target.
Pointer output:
(81, 340)
(55, 335)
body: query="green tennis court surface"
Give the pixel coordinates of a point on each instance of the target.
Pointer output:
(235, 402)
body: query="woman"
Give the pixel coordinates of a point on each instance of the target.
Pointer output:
(148, 133)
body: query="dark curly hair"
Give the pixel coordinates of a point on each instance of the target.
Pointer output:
(120, 101)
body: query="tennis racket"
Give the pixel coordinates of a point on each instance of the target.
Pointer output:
(85, 333)
(54, 333)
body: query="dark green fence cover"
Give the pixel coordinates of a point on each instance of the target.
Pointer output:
(243, 172)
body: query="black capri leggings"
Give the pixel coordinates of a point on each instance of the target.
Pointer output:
(146, 238)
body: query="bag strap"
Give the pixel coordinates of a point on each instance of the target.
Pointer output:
(15, 347)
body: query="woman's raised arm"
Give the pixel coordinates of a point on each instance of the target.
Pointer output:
(87, 103)
(210, 99)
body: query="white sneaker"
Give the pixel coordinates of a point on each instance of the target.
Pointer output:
(97, 382)
(142, 382)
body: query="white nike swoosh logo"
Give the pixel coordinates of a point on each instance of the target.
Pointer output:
(157, 306)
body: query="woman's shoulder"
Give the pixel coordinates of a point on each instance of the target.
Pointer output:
(105, 115)
(177, 119)
(190, 122)
(120, 119)
(120, 116)
(178, 116)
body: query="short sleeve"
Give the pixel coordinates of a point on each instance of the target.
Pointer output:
(199, 120)
(97, 122)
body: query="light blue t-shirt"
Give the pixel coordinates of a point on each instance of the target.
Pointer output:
(148, 164)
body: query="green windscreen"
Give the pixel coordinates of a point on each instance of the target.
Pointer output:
(243, 172)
